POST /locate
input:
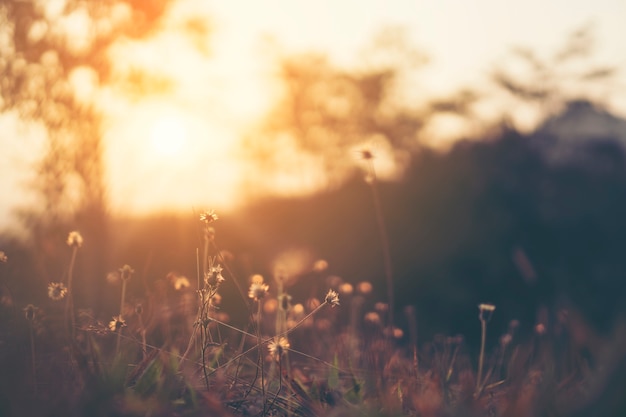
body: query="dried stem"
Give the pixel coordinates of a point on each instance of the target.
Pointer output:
(384, 239)
(69, 304)
(119, 331)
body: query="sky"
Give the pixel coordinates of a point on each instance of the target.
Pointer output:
(178, 151)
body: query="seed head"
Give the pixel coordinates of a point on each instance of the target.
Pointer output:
(258, 290)
(117, 323)
(332, 298)
(485, 308)
(29, 312)
(74, 239)
(57, 290)
(278, 347)
(208, 216)
(125, 272)
(214, 276)
(181, 283)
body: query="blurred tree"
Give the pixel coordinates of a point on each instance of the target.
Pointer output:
(53, 55)
(545, 85)
(328, 112)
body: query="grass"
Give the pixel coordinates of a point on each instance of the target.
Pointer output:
(328, 355)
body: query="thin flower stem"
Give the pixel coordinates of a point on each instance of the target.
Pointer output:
(204, 347)
(481, 357)
(194, 332)
(384, 240)
(280, 384)
(265, 341)
(144, 350)
(119, 331)
(203, 338)
(32, 357)
(452, 361)
(261, 359)
(233, 277)
(69, 304)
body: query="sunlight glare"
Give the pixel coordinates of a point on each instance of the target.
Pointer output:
(168, 136)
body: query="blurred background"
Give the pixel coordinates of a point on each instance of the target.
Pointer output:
(497, 129)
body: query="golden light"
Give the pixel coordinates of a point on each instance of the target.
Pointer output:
(168, 136)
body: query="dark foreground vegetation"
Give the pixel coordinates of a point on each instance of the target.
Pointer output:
(190, 328)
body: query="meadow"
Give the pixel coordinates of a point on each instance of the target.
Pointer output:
(334, 351)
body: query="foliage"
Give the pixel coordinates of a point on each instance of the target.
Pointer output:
(546, 84)
(327, 111)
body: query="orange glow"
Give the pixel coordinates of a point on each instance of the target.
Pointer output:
(168, 136)
(176, 103)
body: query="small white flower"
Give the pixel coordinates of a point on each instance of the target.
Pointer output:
(208, 216)
(332, 298)
(181, 283)
(117, 323)
(278, 347)
(214, 275)
(258, 290)
(125, 272)
(485, 308)
(57, 290)
(30, 311)
(74, 239)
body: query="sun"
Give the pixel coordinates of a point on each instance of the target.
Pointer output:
(168, 135)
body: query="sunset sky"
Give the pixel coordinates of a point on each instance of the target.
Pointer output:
(179, 151)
